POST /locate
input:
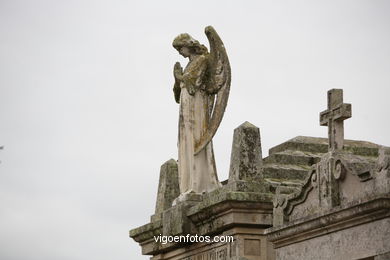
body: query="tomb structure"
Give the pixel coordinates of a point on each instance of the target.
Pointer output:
(311, 198)
(342, 209)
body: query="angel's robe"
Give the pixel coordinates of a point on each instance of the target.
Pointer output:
(197, 173)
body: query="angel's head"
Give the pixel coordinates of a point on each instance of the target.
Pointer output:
(186, 45)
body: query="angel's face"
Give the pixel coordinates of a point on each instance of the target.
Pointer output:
(185, 51)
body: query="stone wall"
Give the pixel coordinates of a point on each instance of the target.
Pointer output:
(358, 242)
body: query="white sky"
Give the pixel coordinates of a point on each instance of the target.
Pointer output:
(87, 113)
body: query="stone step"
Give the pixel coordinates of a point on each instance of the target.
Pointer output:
(293, 157)
(291, 183)
(304, 144)
(320, 145)
(285, 172)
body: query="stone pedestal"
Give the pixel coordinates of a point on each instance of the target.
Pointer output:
(243, 215)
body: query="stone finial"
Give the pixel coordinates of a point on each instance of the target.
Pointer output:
(168, 187)
(246, 157)
(334, 118)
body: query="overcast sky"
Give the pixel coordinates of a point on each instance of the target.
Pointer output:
(87, 113)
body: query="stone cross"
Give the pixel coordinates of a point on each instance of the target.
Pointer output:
(334, 118)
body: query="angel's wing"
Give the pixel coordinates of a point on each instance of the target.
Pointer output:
(218, 82)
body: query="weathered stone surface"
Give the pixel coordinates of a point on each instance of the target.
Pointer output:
(285, 171)
(382, 171)
(212, 200)
(248, 244)
(291, 157)
(334, 118)
(290, 162)
(246, 157)
(213, 213)
(176, 222)
(354, 242)
(342, 208)
(311, 198)
(197, 251)
(385, 256)
(144, 236)
(338, 179)
(318, 145)
(249, 203)
(248, 186)
(202, 90)
(168, 187)
(246, 161)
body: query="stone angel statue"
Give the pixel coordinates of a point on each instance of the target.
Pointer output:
(202, 90)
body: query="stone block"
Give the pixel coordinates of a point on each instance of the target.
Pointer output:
(168, 187)
(246, 157)
(175, 220)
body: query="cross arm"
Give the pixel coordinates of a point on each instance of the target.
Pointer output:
(339, 113)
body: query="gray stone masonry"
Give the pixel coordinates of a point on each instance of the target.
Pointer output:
(311, 198)
(168, 188)
(246, 158)
(341, 210)
(243, 208)
(334, 118)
